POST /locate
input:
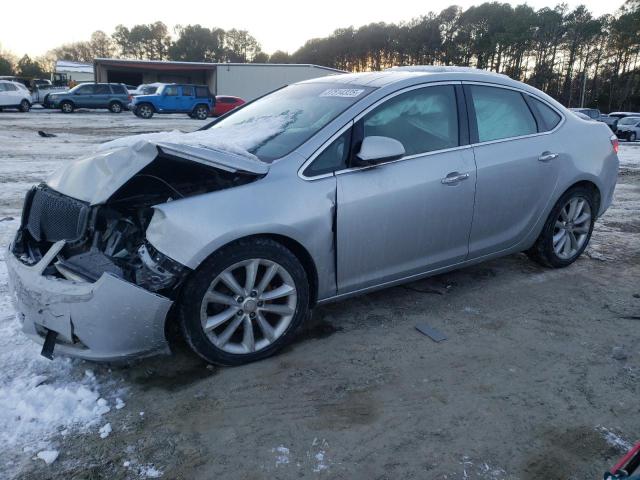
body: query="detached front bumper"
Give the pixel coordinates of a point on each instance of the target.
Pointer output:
(108, 320)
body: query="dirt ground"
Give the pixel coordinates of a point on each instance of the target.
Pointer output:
(537, 380)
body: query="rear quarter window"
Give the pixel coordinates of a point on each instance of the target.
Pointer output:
(202, 92)
(550, 118)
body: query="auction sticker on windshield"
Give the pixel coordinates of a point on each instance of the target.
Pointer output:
(342, 92)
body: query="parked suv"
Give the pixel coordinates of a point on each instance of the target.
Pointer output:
(113, 96)
(14, 95)
(194, 100)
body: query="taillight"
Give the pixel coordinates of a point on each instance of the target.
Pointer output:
(615, 143)
(130, 97)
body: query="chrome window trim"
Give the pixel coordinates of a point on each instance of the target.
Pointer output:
(433, 152)
(519, 90)
(360, 116)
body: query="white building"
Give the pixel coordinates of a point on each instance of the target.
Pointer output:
(244, 80)
(74, 71)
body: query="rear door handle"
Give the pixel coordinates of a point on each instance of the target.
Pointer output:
(547, 156)
(454, 178)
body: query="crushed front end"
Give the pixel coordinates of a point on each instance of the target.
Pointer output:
(85, 280)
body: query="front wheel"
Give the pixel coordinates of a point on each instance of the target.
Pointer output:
(25, 106)
(200, 112)
(66, 107)
(244, 303)
(567, 230)
(144, 111)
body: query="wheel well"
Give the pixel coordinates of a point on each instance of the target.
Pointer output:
(149, 104)
(301, 254)
(115, 101)
(589, 186)
(200, 105)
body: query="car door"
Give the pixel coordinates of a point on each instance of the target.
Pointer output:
(517, 164)
(5, 96)
(169, 101)
(187, 99)
(83, 96)
(412, 215)
(101, 96)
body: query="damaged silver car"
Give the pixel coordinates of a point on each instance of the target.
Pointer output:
(319, 191)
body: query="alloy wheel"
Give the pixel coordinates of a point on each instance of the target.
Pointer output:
(248, 306)
(572, 226)
(145, 111)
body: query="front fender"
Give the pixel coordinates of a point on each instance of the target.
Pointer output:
(191, 229)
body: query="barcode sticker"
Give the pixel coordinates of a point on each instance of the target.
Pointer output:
(342, 92)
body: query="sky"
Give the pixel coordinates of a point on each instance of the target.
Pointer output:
(277, 25)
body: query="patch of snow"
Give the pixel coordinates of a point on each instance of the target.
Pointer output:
(320, 462)
(282, 455)
(614, 439)
(237, 139)
(105, 430)
(119, 403)
(149, 471)
(49, 456)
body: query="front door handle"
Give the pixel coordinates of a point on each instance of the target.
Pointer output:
(454, 178)
(547, 156)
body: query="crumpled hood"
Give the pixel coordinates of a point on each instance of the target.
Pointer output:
(94, 178)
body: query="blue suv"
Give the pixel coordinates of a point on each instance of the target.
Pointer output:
(194, 100)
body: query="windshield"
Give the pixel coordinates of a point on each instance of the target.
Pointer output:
(629, 121)
(280, 122)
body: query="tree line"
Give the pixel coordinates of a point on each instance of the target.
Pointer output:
(570, 54)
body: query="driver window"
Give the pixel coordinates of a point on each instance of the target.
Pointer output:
(423, 120)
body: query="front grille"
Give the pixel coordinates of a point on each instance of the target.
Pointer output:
(51, 216)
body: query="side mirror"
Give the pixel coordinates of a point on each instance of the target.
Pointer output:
(379, 149)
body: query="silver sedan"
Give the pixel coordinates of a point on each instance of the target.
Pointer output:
(322, 190)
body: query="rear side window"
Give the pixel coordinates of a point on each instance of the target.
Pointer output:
(501, 113)
(9, 87)
(102, 90)
(187, 91)
(118, 89)
(333, 158)
(171, 91)
(86, 90)
(423, 120)
(202, 92)
(550, 118)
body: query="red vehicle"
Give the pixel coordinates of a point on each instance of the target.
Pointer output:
(225, 104)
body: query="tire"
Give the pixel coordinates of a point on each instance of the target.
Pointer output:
(25, 106)
(551, 249)
(633, 137)
(237, 333)
(67, 107)
(115, 107)
(145, 111)
(201, 112)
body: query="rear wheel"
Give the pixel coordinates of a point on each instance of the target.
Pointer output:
(201, 112)
(567, 230)
(115, 107)
(25, 106)
(66, 107)
(145, 111)
(245, 302)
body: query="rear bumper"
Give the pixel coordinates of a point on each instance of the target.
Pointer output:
(108, 320)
